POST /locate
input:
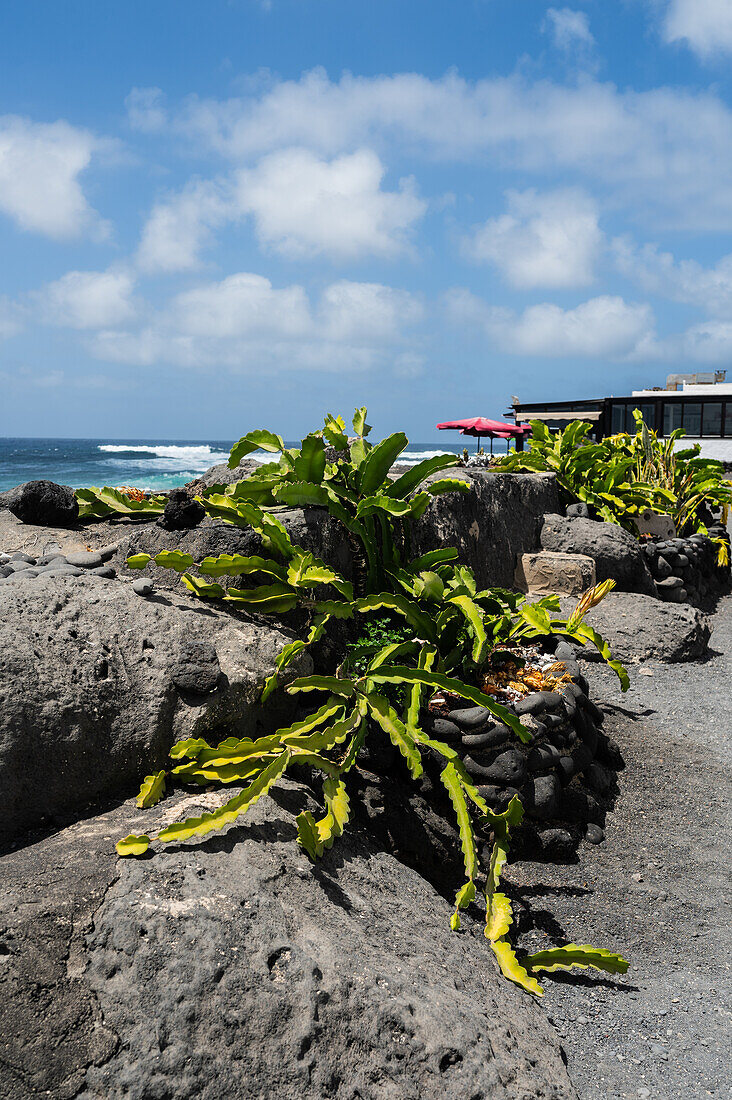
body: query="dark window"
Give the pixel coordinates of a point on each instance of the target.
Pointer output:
(712, 418)
(692, 420)
(649, 415)
(618, 424)
(671, 417)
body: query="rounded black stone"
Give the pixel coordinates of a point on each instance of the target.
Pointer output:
(531, 704)
(542, 758)
(470, 718)
(442, 729)
(594, 834)
(143, 586)
(508, 768)
(488, 739)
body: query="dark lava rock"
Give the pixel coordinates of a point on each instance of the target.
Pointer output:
(181, 512)
(546, 794)
(234, 968)
(197, 669)
(616, 553)
(557, 845)
(578, 511)
(43, 503)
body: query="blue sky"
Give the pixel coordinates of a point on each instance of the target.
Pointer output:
(222, 215)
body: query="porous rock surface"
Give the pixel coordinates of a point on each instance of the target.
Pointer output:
(221, 474)
(96, 684)
(492, 525)
(637, 627)
(311, 528)
(617, 554)
(233, 967)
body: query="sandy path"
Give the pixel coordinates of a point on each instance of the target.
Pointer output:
(658, 889)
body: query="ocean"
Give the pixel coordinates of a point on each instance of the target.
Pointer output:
(145, 463)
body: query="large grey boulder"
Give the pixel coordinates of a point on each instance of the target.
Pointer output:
(234, 968)
(617, 554)
(96, 683)
(636, 627)
(312, 528)
(492, 525)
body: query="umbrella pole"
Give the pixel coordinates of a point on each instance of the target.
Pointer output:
(491, 446)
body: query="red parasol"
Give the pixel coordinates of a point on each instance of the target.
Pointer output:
(480, 426)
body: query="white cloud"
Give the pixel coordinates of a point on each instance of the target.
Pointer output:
(550, 240)
(705, 25)
(303, 206)
(684, 281)
(606, 327)
(40, 165)
(179, 227)
(241, 305)
(708, 343)
(89, 299)
(569, 28)
(664, 153)
(145, 110)
(245, 323)
(366, 311)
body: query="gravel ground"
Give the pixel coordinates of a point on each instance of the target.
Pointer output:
(658, 889)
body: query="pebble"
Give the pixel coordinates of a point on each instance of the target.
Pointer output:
(595, 835)
(85, 558)
(20, 556)
(143, 586)
(24, 574)
(63, 569)
(103, 571)
(637, 877)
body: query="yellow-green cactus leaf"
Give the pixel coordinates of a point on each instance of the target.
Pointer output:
(133, 845)
(498, 917)
(512, 968)
(152, 790)
(231, 810)
(579, 955)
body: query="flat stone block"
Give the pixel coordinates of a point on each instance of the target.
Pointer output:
(547, 571)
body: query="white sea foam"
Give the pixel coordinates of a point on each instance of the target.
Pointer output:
(161, 456)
